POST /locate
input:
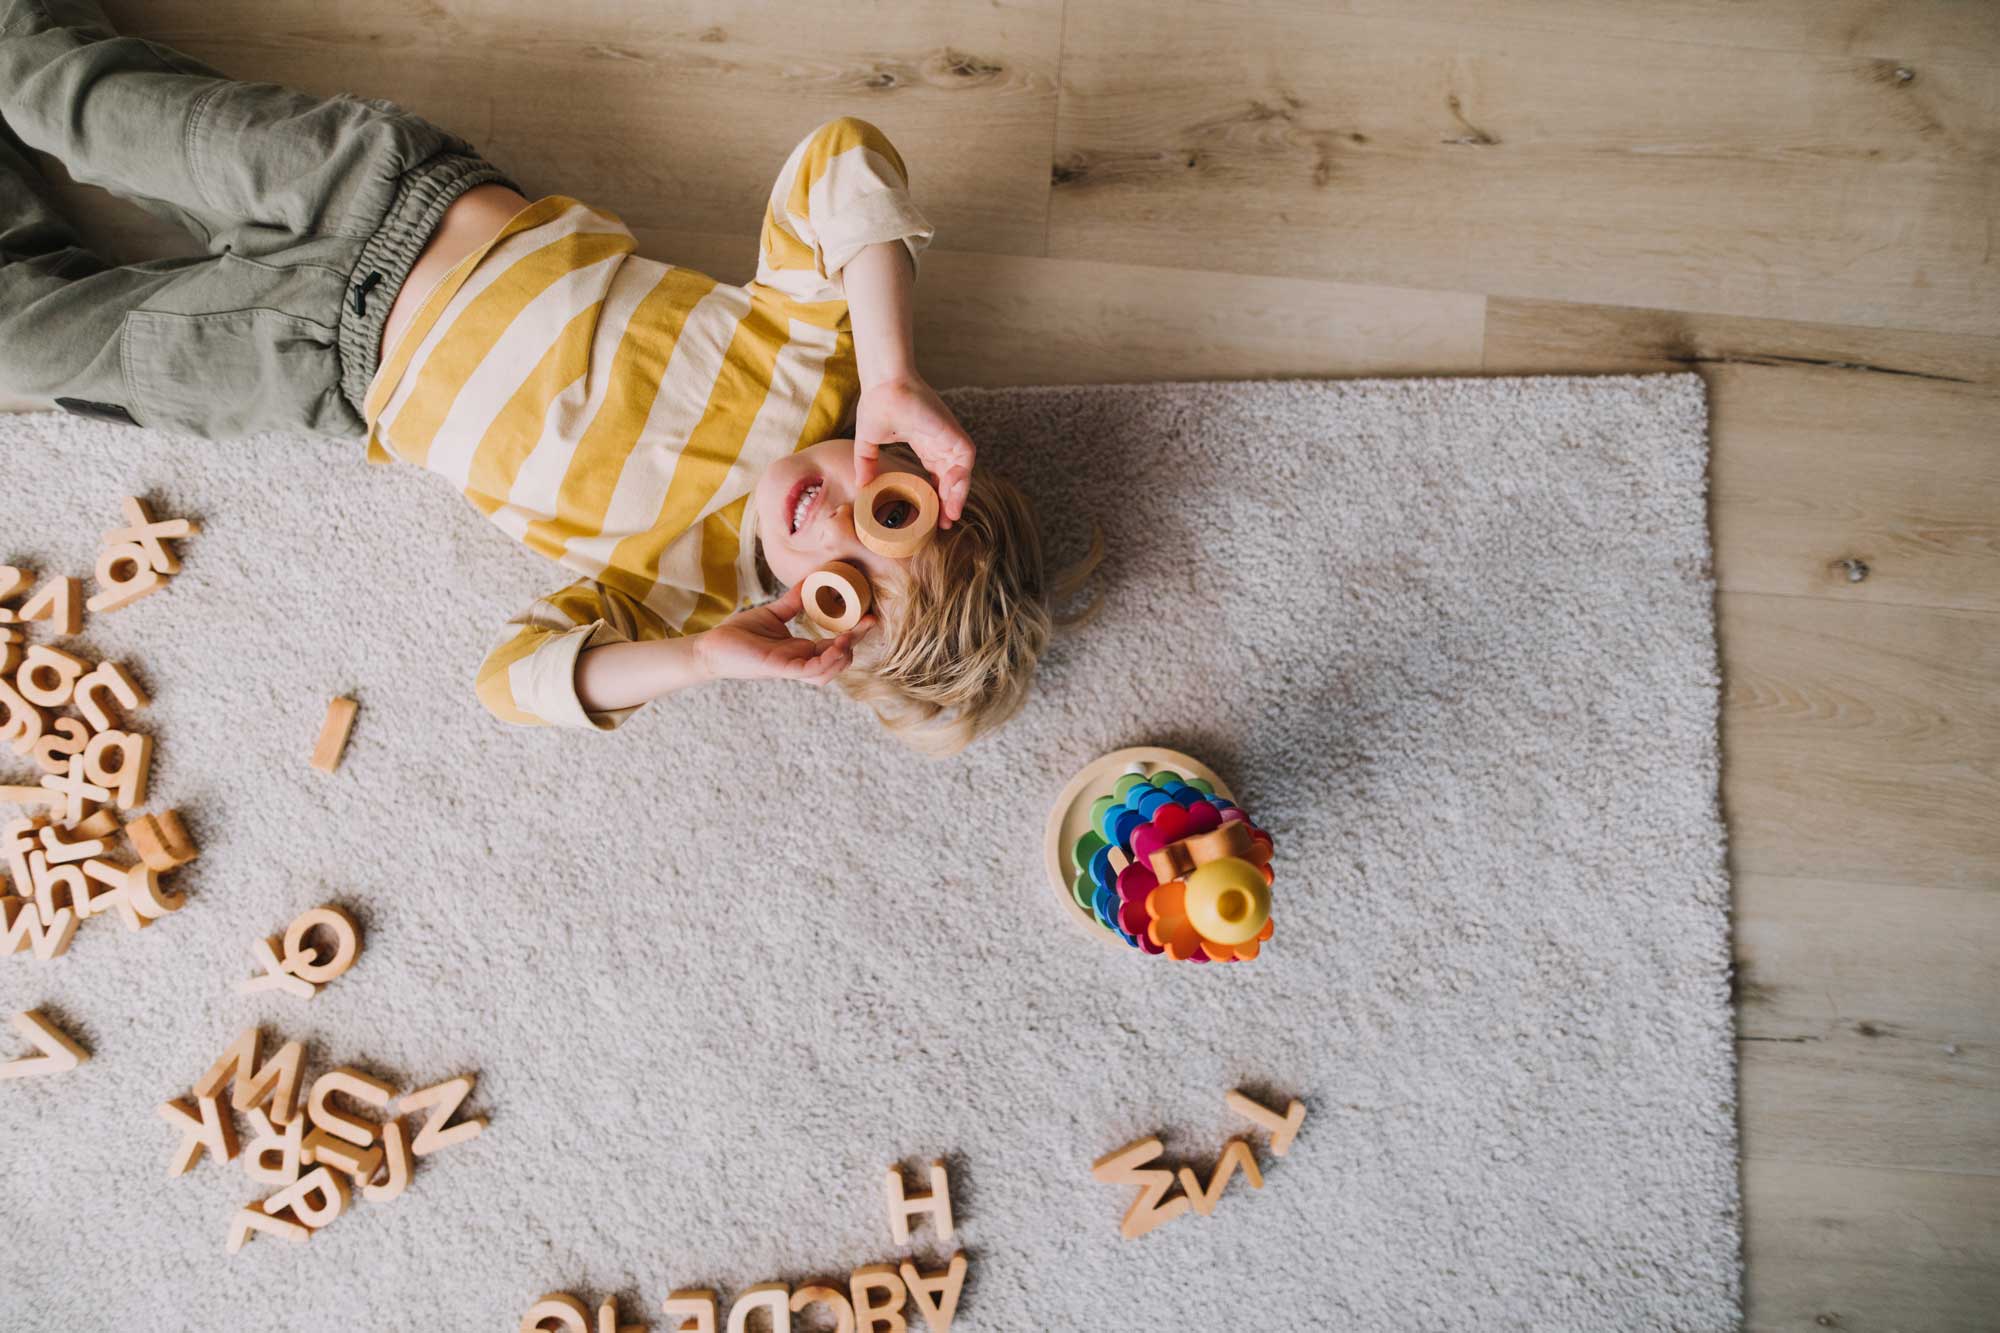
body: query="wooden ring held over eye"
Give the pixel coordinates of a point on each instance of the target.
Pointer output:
(907, 539)
(836, 596)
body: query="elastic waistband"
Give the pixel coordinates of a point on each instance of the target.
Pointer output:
(422, 196)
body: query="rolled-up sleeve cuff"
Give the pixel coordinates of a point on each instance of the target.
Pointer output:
(884, 215)
(544, 682)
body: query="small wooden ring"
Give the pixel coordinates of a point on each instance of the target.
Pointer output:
(304, 963)
(836, 596)
(905, 541)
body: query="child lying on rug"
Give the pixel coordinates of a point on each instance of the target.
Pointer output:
(672, 439)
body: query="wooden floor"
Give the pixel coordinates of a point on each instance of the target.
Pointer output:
(1797, 198)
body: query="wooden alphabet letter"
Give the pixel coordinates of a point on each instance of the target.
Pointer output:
(61, 853)
(306, 963)
(836, 1301)
(1127, 1167)
(323, 1184)
(55, 1052)
(692, 1309)
(1234, 1155)
(119, 761)
(557, 1312)
(901, 1207)
(443, 1100)
(872, 1315)
(274, 1156)
(368, 1091)
(68, 736)
(109, 678)
(333, 734)
(396, 1154)
(274, 1081)
(23, 927)
(151, 536)
(770, 1297)
(275, 976)
(48, 676)
(59, 603)
(21, 723)
(254, 1218)
(1283, 1128)
(125, 575)
(204, 1127)
(73, 792)
(936, 1294)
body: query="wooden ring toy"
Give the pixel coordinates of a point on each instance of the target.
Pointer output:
(900, 540)
(305, 963)
(836, 596)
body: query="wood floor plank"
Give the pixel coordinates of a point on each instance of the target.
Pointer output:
(680, 119)
(1862, 1005)
(1467, 157)
(1529, 337)
(1861, 741)
(1858, 487)
(1909, 30)
(1002, 319)
(1869, 1250)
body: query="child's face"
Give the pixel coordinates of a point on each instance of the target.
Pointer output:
(805, 512)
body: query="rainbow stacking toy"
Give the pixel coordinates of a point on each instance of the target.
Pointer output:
(1162, 862)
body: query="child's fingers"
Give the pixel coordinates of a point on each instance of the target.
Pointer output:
(788, 603)
(838, 657)
(825, 667)
(866, 455)
(951, 491)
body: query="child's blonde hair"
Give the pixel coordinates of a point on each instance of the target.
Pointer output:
(966, 626)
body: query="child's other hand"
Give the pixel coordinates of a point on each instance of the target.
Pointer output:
(908, 409)
(758, 644)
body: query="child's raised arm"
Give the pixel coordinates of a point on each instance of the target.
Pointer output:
(897, 403)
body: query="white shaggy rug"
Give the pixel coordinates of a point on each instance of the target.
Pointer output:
(1450, 640)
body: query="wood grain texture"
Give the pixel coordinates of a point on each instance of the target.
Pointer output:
(1861, 1006)
(1519, 162)
(1862, 741)
(680, 116)
(1870, 1250)
(1527, 336)
(1906, 30)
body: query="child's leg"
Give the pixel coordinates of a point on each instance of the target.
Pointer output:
(315, 208)
(60, 306)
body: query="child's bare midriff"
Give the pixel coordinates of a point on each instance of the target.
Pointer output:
(473, 219)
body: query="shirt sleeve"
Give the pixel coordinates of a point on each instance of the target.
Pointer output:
(844, 188)
(529, 677)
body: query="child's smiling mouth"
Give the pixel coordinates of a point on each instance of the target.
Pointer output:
(804, 499)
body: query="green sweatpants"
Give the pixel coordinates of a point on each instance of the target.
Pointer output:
(312, 210)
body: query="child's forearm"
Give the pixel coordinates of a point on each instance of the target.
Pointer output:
(624, 675)
(879, 283)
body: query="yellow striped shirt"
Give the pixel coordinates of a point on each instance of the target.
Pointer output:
(614, 412)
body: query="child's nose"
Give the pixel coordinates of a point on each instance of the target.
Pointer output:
(843, 521)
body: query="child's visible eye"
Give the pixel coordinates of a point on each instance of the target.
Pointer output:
(896, 513)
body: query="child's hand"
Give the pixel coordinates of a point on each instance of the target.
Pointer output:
(758, 644)
(908, 409)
